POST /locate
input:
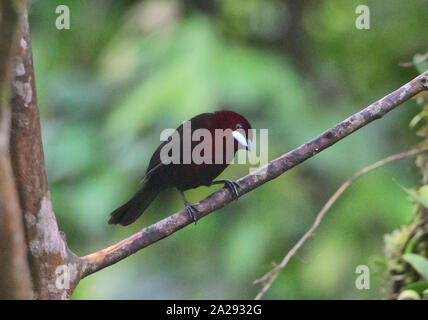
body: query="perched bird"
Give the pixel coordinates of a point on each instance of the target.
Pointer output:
(191, 174)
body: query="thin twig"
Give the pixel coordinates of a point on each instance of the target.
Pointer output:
(270, 277)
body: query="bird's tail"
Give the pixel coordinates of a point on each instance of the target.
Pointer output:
(131, 210)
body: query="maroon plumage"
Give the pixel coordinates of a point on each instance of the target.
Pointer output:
(160, 176)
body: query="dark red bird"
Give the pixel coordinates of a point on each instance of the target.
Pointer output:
(191, 174)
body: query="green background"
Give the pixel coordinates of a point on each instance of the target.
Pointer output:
(126, 70)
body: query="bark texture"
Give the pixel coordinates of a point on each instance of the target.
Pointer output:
(15, 281)
(47, 248)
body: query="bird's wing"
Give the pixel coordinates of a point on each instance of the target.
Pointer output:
(155, 164)
(150, 172)
(200, 121)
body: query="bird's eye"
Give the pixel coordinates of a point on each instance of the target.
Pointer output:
(239, 126)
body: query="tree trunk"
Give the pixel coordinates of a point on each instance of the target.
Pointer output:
(36, 262)
(15, 281)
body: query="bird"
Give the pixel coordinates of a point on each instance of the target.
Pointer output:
(182, 175)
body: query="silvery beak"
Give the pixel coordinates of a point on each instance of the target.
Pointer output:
(242, 140)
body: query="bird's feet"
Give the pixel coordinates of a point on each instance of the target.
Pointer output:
(191, 211)
(232, 185)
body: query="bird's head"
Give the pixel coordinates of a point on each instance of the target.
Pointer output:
(239, 126)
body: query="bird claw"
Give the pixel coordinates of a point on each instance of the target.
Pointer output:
(191, 210)
(233, 187)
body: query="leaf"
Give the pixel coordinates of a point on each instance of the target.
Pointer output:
(419, 287)
(414, 195)
(409, 295)
(417, 118)
(420, 62)
(423, 192)
(413, 241)
(419, 263)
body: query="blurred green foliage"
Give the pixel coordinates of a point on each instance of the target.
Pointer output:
(126, 70)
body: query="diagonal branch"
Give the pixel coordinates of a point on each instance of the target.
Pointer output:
(106, 257)
(271, 276)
